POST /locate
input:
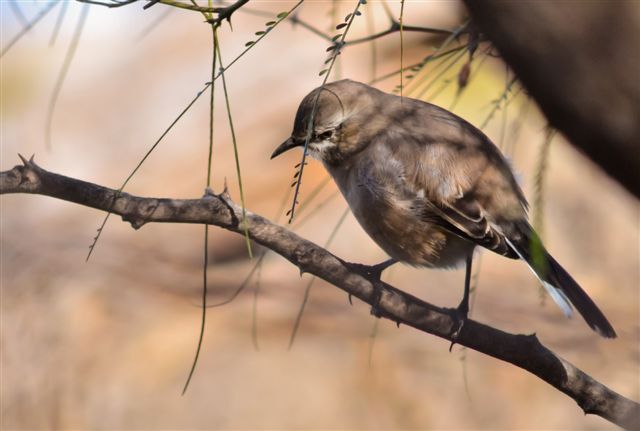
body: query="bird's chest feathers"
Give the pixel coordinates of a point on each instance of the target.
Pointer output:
(391, 210)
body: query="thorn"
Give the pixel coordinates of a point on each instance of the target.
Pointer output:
(24, 161)
(398, 323)
(350, 301)
(208, 192)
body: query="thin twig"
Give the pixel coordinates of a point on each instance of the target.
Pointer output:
(235, 146)
(337, 47)
(17, 12)
(45, 10)
(62, 75)
(307, 289)
(395, 27)
(59, 21)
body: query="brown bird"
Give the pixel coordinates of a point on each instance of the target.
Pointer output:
(427, 186)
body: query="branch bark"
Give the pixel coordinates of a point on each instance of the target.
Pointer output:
(580, 62)
(524, 351)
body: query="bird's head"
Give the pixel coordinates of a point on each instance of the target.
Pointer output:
(337, 123)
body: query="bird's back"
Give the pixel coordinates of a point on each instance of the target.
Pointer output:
(421, 161)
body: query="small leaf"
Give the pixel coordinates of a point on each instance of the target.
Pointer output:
(270, 23)
(358, 13)
(322, 72)
(251, 42)
(260, 33)
(463, 75)
(408, 76)
(363, 1)
(331, 48)
(282, 15)
(328, 60)
(288, 212)
(336, 37)
(342, 25)
(346, 18)
(294, 183)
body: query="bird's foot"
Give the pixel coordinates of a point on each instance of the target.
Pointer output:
(460, 316)
(373, 274)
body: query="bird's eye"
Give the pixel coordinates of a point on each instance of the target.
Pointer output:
(325, 135)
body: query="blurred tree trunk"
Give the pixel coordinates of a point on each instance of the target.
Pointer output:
(581, 62)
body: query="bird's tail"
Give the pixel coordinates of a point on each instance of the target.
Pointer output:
(564, 290)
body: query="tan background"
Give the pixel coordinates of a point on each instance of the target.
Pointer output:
(108, 344)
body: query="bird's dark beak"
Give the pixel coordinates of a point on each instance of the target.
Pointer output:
(285, 146)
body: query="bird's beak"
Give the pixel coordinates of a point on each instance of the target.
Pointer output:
(285, 146)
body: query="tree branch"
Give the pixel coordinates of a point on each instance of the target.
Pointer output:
(524, 351)
(223, 13)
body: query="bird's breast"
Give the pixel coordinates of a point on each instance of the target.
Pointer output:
(395, 220)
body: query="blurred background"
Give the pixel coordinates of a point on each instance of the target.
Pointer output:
(109, 343)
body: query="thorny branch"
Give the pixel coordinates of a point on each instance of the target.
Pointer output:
(223, 12)
(524, 351)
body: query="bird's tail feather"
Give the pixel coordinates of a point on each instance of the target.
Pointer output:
(564, 290)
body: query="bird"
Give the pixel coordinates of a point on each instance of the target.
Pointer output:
(427, 186)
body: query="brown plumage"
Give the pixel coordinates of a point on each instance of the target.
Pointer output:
(426, 185)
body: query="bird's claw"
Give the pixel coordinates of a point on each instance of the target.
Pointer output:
(373, 273)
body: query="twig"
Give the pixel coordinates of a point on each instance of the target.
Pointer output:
(45, 10)
(395, 27)
(109, 4)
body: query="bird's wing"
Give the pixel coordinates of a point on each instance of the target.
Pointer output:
(460, 178)
(467, 219)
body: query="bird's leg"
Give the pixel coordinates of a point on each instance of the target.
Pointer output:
(462, 312)
(373, 273)
(376, 272)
